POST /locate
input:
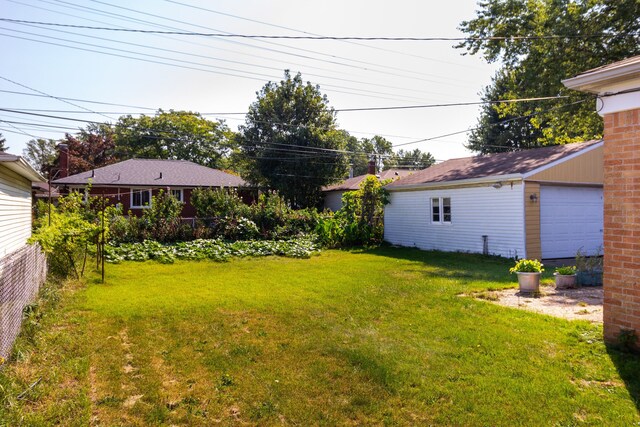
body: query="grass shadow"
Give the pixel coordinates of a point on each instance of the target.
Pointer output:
(450, 265)
(628, 366)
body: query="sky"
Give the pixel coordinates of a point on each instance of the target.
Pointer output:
(57, 70)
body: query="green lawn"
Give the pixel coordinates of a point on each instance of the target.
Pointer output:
(374, 337)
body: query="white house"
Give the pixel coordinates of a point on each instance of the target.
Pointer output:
(16, 176)
(539, 203)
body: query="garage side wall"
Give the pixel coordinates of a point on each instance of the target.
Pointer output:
(15, 211)
(475, 211)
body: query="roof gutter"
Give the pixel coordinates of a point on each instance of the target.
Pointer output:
(596, 81)
(22, 168)
(503, 179)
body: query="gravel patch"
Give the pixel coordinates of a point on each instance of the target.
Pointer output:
(573, 304)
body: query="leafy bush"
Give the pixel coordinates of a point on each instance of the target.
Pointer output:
(360, 221)
(160, 222)
(214, 249)
(68, 231)
(566, 271)
(218, 203)
(527, 266)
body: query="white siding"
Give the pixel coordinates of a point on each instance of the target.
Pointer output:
(15, 211)
(333, 200)
(476, 211)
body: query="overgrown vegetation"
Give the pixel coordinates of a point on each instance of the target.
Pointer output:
(81, 226)
(213, 249)
(70, 232)
(360, 221)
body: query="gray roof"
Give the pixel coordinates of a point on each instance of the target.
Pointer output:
(155, 173)
(354, 183)
(516, 162)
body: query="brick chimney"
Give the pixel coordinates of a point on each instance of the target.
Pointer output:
(372, 167)
(63, 161)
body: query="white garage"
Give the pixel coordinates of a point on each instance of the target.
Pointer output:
(571, 219)
(540, 203)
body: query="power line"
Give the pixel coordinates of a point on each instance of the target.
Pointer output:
(289, 37)
(50, 96)
(494, 124)
(315, 34)
(337, 110)
(372, 67)
(212, 59)
(366, 92)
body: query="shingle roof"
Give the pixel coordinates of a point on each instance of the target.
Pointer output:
(517, 162)
(612, 66)
(155, 173)
(354, 183)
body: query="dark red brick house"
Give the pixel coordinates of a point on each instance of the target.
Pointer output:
(133, 182)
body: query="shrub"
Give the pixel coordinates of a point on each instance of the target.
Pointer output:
(360, 221)
(214, 249)
(218, 203)
(68, 231)
(527, 266)
(566, 271)
(160, 222)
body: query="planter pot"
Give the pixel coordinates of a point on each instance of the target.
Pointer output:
(529, 282)
(590, 278)
(565, 281)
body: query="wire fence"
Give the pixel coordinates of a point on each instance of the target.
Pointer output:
(21, 274)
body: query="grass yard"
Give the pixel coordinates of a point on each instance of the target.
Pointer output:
(365, 337)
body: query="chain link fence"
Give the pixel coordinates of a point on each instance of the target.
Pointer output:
(21, 274)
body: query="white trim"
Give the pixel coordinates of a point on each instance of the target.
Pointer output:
(441, 220)
(432, 204)
(523, 203)
(181, 190)
(562, 160)
(620, 102)
(597, 81)
(132, 190)
(461, 182)
(22, 168)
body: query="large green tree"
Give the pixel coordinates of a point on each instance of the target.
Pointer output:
(563, 39)
(182, 135)
(361, 151)
(411, 160)
(291, 141)
(41, 154)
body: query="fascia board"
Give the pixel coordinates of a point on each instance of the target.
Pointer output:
(458, 183)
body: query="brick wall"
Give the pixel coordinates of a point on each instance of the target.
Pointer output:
(621, 223)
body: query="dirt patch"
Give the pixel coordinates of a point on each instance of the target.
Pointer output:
(573, 304)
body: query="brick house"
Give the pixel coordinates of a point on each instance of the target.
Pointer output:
(617, 87)
(132, 183)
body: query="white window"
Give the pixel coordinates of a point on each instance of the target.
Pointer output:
(441, 210)
(140, 198)
(435, 209)
(178, 194)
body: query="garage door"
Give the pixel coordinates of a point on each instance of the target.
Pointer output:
(571, 218)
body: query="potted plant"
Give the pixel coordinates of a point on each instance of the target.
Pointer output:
(528, 271)
(565, 277)
(589, 268)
